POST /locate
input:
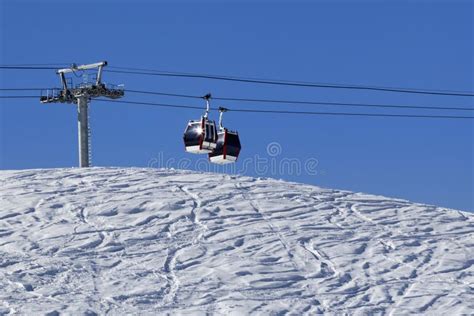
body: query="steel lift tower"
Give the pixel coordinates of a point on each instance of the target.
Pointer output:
(81, 95)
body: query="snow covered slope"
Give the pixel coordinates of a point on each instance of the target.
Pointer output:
(109, 240)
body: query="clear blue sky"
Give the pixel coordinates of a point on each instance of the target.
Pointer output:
(420, 44)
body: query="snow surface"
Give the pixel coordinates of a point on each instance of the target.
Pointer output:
(147, 241)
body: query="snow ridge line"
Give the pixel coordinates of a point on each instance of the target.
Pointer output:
(169, 269)
(269, 224)
(169, 266)
(197, 203)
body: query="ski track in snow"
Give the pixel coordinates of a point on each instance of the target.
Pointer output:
(147, 241)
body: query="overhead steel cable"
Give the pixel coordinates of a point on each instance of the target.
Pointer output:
(141, 71)
(155, 104)
(349, 104)
(18, 96)
(288, 83)
(295, 112)
(166, 94)
(24, 89)
(38, 64)
(29, 67)
(284, 102)
(355, 114)
(304, 102)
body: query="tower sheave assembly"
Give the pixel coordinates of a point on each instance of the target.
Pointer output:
(81, 94)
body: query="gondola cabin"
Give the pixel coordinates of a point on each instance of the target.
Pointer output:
(227, 149)
(200, 137)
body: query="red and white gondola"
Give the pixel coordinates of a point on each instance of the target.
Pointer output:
(200, 136)
(228, 144)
